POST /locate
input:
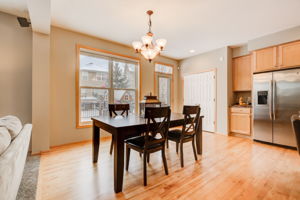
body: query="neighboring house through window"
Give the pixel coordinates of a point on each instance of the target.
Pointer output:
(104, 79)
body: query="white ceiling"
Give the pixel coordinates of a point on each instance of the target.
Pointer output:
(201, 25)
(15, 7)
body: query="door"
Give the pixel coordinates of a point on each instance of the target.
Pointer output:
(164, 89)
(242, 73)
(286, 92)
(265, 59)
(289, 55)
(262, 107)
(200, 89)
(240, 123)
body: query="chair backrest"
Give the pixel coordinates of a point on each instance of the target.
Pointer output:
(191, 120)
(124, 108)
(296, 127)
(158, 122)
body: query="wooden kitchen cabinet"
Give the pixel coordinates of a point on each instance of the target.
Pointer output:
(242, 73)
(240, 120)
(265, 59)
(289, 55)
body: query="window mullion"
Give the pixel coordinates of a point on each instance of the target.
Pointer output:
(111, 90)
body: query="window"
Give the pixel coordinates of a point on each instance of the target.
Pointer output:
(163, 83)
(163, 68)
(104, 79)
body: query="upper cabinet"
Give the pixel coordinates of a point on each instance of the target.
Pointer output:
(289, 55)
(242, 73)
(265, 59)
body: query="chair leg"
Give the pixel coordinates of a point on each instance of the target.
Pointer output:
(145, 168)
(167, 141)
(194, 149)
(181, 154)
(164, 161)
(177, 147)
(111, 145)
(148, 158)
(127, 157)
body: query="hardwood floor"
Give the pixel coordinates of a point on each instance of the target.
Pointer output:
(230, 168)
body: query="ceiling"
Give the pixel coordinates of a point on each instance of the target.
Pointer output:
(199, 25)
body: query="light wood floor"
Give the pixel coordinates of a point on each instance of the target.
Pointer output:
(230, 168)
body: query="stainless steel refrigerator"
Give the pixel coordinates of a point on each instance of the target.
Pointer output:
(276, 97)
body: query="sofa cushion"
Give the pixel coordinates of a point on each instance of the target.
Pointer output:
(13, 125)
(5, 139)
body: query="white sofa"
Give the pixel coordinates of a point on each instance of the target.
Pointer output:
(12, 160)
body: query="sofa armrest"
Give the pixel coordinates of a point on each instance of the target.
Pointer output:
(12, 163)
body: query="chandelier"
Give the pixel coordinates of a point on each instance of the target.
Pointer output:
(148, 48)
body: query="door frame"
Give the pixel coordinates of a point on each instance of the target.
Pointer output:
(168, 76)
(216, 97)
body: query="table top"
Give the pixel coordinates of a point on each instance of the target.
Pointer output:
(130, 120)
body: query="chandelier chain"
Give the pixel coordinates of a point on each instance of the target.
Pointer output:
(150, 24)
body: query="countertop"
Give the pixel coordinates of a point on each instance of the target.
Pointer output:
(238, 106)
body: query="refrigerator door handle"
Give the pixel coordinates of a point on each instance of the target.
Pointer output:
(270, 101)
(274, 99)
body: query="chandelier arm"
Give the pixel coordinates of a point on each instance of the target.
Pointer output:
(150, 24)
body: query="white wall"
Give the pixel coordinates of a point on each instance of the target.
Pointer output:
(15, 68)
(217, 59)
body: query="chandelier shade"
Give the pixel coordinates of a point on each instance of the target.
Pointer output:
(147, 47)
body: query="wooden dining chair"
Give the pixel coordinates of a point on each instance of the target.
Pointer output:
(113, 112)
(158, 121)
(188, 131)
(296, 127)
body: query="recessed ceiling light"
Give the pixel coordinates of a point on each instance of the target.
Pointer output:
(192, 51)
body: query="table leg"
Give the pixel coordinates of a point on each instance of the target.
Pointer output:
(199, 137)
(96, 142)
(118, 162)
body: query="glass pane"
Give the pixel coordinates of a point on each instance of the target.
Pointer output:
(163, 69)
(93, 102)
(94, 70)
(123, 75)
(164, 90)
(125, 96)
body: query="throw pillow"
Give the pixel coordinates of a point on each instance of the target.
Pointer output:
(13, 125)
(5, 139)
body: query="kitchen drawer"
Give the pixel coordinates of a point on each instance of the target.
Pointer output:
(240, 110)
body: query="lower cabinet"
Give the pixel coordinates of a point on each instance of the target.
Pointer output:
(240, 120)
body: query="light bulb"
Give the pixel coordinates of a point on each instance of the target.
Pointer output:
(137, 45)
(147, 40)
(149, 53)
(161, 43)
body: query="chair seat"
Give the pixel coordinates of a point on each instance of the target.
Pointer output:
(176, 134)
(139, 142)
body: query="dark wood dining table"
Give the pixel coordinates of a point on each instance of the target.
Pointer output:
(125, 127)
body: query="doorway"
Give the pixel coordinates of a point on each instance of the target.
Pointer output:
(200, 89)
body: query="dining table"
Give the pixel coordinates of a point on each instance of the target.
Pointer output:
(123, 127)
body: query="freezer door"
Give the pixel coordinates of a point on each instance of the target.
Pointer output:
(262, 107)
(286, 90)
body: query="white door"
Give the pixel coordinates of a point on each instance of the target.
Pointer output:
(200, 89)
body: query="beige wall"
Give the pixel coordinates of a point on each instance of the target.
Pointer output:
(63, 63)
(15, 68)
(240, 51)
(40, 92)
(284, 36)
(217, 59)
